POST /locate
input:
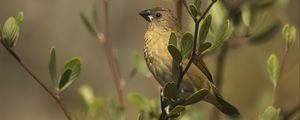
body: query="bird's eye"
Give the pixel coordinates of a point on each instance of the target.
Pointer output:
(158, 15)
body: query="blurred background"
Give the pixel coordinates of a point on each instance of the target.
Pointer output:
(57, 23)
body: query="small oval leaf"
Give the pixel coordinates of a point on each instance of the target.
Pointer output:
(204, 47)
(52, 67)
(196, 97)
(175, 53)
(75, 65)
(173, 39)
(194, 11)
(170, 90)
(177, 110)
(222, 35)
(65, 78)
(273, 68)
(187, 45)
(204, 29)
(10, 32)
(197, 4)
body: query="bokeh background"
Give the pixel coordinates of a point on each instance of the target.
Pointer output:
(57, 23)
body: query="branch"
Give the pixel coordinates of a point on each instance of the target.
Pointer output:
(194, 52)
(103, 39)
(56, 97)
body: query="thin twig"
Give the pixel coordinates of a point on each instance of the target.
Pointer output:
(103, 39)
(56, 97)
(194, 52)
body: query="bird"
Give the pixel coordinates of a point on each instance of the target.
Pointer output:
(161, 23)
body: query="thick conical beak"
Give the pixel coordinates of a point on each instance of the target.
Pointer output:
(146, 14)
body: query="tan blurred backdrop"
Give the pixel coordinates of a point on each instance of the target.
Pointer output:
(57, 23)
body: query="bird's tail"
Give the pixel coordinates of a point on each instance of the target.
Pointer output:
(226, 107)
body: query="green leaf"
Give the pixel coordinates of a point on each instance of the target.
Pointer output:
(141, 116)
(139, 100)
(187, 7)
(204, 47)
(204, 29)
(289, 35)
(95, 15)
(74, 65)
(140, 65)
(270, 113)
(196, 97)
(273, 68)
(246, 15)
(92, 103)
(65, 78)
(10, 32)
(173, 39)
(222, 35)
(177, 110)
(197, 4)
(170, 90)
(19, 17)
(186, 45)
(175, 53)
(52, 67)
(116, 112)
(89, 25)
(194, 11)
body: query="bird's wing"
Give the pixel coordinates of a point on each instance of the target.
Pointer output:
(198, 61)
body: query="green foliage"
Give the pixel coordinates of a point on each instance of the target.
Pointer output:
(175, 53)
(52, 67)
(170, 90)
(223, 34)
(19, 17)
(246, 15)
(176, 111)
(197, 4)
(273, 69)
(116, 112)
(204, 47)
(139, 100)
(194, 11)
(140, 65)
(10, 32)
(92, 23)
(270, 113)
(65, 78)
(186, 45)
(196, 97)
(204, 29)
(92, 102)
(173, 39)
(74, 65)
(70, 71)
(289, 35)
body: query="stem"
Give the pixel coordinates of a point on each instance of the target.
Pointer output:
(103, 39)
(197, 23)
(291, 112)
(283, 63)
(56, 97)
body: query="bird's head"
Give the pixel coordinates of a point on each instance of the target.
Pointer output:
(160, 17)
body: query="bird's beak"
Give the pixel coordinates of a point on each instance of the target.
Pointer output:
(146, 14)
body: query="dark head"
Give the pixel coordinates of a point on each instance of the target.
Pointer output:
(161, 17)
